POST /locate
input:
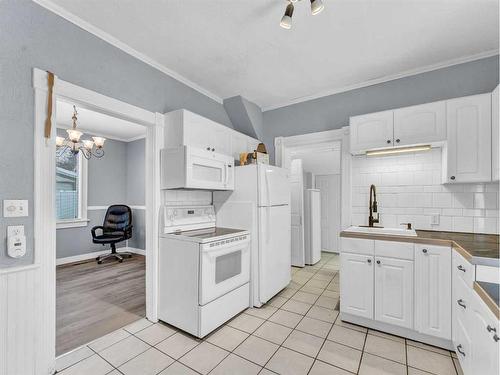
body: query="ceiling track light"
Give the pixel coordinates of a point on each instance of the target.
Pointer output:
(286, 21)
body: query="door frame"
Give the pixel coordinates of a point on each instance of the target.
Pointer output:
(287, 147)
(44, 198)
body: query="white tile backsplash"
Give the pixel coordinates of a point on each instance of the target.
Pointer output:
(409, 189)
(187, 197)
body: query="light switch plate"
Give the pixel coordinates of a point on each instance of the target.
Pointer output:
(15, 208)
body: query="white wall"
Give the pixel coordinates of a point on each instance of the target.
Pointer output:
(409, 190)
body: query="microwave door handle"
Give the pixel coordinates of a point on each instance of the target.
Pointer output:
(226, 171)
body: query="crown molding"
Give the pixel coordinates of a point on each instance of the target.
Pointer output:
(392, 77)
(84, 25)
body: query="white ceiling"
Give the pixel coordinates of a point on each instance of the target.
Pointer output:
(96, 123)
(236, 47)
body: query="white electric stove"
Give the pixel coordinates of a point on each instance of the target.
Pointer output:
(204, 271)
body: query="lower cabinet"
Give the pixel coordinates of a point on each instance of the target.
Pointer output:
(394, 291)
(356, 279)
(485, 340)
(433, 290)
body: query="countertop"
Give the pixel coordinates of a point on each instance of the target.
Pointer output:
(478, 249)
(489, 293)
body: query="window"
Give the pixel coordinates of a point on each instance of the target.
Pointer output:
(71, 190)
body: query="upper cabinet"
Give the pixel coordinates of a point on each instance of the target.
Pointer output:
(495, 136)
(419, 124)
(371, 131)
(185, 128)
(468, 154)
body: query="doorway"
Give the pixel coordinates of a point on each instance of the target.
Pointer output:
(98, 292)
(43, 283)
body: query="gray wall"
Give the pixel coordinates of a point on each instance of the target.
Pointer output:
(30, 37)
(245, 116)
(117, 178)
(332, 112)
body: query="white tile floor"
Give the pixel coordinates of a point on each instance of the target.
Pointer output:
(297, 332)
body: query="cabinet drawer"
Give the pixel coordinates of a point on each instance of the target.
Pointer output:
(392, 249)
(357, 245)
(463, 269)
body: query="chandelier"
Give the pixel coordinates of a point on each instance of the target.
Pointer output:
(87, 147)
(286, 21)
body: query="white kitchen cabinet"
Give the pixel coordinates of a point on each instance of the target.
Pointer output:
(425, 123)
(463, 345)
(468, 155)
(495, 136)
(394, 291)
(433, 290)
(485, 339)
(356, 280)
(371, 131)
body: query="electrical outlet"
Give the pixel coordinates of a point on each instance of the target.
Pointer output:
(435, 219)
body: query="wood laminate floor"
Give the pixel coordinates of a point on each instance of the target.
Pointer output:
(96, 299)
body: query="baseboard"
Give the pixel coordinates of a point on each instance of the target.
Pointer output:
(95, 254)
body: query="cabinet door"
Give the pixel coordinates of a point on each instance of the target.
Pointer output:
(394, 291)
(463, 345)
(433, 290)
(469, 139)
(420, 124)
(356, 285)
(222, 140)
(495, 136)
(485, 347)
(198, 131)
(371, 131)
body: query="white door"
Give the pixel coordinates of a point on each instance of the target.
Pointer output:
(495, 136)
(329, 186)
(374, 130)
(297, 212)
(356, 285)
(198, 131)
(420, 124)
(469, 139)
(274, 250)
(433, 290)
(394, 291)
(222, 140)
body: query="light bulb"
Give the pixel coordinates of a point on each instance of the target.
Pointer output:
(316, 7)
(74, 135)
(99, 141)
(88, 144)
(286, 20)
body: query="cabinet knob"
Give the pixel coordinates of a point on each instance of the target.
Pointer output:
(452, 177)
(388, 141)
(459, 349)
(208, 148)
(369, 260)
(424, 251)
(398, 140)
(461, 268)
(213, 149)
(491, 329)
(461, 303)
(378, 261)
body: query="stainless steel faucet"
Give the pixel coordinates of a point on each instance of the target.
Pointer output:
(373, 206)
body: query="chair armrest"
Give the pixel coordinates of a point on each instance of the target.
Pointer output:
(128, 229)
(96, 228)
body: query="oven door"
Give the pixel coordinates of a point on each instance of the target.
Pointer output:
(224, 267)
(208, 170)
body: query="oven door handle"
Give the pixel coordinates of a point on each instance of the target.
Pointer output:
(212, 254)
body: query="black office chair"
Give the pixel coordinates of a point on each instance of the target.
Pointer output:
(117, 227)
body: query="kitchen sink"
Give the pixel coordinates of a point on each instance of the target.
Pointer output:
(383, 231)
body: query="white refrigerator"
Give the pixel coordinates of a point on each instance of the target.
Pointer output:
(260, 203)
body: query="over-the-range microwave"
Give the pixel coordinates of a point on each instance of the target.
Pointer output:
(189, 167)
